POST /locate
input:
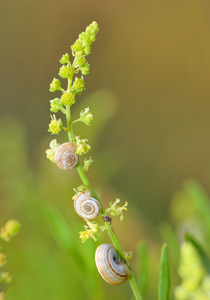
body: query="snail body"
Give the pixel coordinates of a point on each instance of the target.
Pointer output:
(65, 156)
(86, 206)
(110, 268)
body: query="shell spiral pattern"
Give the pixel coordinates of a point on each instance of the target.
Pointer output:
(86, 206)
(108, 265)
(65, 156)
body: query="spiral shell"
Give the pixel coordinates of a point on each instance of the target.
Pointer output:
(86, 206)
(108, 265)
(65, 156)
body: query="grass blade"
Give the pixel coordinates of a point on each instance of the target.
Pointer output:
(164, 281)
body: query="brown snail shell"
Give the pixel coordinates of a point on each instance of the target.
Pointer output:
(65, 156)
(110, 268)
(86, 206)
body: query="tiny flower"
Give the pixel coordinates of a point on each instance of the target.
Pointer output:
(64, 72)
(87, 164)
(91, 231)
(55, 104)
(116, 210)
(55, 85)
(128, 255)
(51, 152)
(1, 296)
(10, 229)
(86, 116)
(64, 59)
(79, 189)
(67, 98)
(78, 86)
(55, 125)
(82, 146)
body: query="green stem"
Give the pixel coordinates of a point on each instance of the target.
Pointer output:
(86, 182)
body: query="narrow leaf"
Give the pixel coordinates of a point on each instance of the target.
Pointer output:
(164, 280)
(199, 248)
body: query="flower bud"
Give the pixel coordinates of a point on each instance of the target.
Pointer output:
(86, 116)
(67, 98)
(64, 59)
(78, 86)
(51, 152)
(82, 146)
(55, 105)
(55, 85)
(87, 164)
(64, 72)
(55, 125)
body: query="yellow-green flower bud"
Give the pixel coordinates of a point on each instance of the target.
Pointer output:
(116, 210)
(87, 164)
(78, 86)
(64, 59)
(64, 72)
(82, 146)
(68, 98)
(86, 116)
(55, 105)
(85, 70)
(51, 152)
(55, 85)
(10, 229)
(55, 125)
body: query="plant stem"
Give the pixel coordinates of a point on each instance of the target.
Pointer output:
(86, 182)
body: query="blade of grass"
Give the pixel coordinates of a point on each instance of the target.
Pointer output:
(164, 280)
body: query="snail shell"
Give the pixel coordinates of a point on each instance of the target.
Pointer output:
(65, 156)
(108, 265)
(86, 206)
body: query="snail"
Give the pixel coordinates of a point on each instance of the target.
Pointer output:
(110, 268)
(86, 206)
(65, 156)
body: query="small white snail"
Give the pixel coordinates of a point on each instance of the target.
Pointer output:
(108, 265)
(65, 156)
(86, 206)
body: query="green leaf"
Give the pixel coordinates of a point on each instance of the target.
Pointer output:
(199, 248)
(143, 270)
(164, 280)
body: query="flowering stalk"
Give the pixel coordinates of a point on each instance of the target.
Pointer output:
(80, 49)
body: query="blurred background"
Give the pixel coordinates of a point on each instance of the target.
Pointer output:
(149, 91)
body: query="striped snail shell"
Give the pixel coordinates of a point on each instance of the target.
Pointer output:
(65, 156)
(108, 265)
(86, 206)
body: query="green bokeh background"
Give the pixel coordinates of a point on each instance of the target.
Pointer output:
(149, 90)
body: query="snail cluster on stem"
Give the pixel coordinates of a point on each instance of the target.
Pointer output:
(66, 156)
